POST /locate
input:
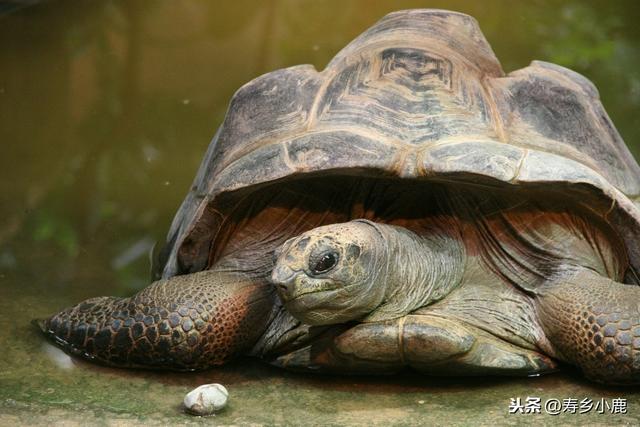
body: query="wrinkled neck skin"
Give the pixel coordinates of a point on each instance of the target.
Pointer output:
(414, 271)
(417, 270)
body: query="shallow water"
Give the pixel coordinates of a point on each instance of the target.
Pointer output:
(105, 112)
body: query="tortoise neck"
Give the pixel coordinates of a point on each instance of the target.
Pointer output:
(420, 270)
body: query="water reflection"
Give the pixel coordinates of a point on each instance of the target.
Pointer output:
(106, 109)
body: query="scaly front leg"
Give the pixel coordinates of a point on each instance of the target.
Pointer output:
(186, 322)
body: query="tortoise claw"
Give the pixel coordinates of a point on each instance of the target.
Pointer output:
(184, 323)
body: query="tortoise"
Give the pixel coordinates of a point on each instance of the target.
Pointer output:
(408, 206)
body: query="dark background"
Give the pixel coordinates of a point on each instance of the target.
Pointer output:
(107, 107)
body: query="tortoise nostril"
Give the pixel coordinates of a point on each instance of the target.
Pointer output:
(283, 278)
(282, 275)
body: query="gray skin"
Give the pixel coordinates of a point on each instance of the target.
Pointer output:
(364, 271)
(393, 281)
(507, 207)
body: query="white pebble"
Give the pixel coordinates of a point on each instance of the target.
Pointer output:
(206, 399)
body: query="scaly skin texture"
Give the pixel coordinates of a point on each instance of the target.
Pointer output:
(583, 317)
(594, 323)
(183, 323)
(381, 272)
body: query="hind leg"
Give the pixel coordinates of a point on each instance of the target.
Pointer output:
(594, 323)
(430, 344)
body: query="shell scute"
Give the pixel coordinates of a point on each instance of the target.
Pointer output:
(419, 95)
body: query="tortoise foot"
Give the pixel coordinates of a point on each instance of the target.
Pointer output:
(594, 323)
(183, 323)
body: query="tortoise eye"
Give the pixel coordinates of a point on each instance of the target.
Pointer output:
(324, 263)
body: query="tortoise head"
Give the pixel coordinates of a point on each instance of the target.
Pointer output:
(330, 274)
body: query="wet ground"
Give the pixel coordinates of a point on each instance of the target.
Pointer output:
(39, 385)
(105, 113)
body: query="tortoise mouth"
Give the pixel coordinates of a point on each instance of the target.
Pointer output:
(307, 290)
(300, 296)
(293, 285)
(305, 306)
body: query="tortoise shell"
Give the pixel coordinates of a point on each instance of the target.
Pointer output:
(419, 96)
